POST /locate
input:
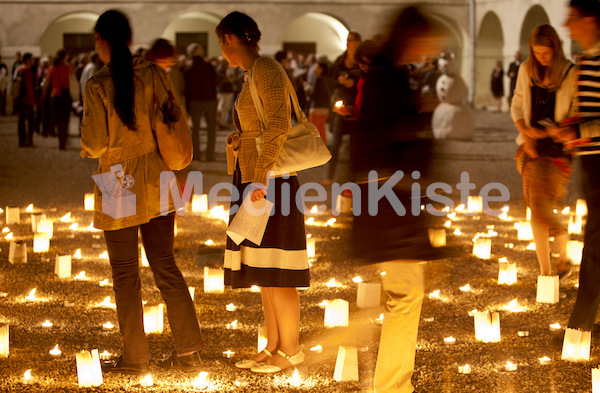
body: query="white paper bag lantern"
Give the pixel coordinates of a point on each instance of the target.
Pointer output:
(4, 342)
(346, 364)
(487, 326)
(88, 202)
(262, 337)
(154, 319)
(475, 204)
(337, 313)
(482, 248)
(575, 251)
(528, 214)
(144, 257)
(41, 243)
(547, 289)
(311, 247)
(575, 224)
(214, 280)
(524, 232)
(437, 237)
(368, 295)
(17, 252)
(507, 273)
(199, 203)
(35, 218)
(13, 215)
(45, 226)
(89, 372)
(62, 267)
(576, 345)
(596, 380)
(343, 204)
(581, 207)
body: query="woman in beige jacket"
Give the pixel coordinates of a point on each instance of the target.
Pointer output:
(545, 90)
(117, 128)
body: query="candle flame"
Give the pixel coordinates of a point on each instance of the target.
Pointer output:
(449, 340)
(531, 246)
(465, 288)
(77, 253)
(66, 217)
(314, 209)
(147, 381)
(435, 294)
(357, 279)
(513, 306)
(5, 230)
(27, 375)
(460, 208)
(544, 359)
(29, 209)
(317, 349)
(457, 232)
(231, 307)
(448, 224)
(55, 351)
(452, 215)
(379, 319)
(104, 255)
(323, 304)
(555, 326)
(219, 213)
(296, 380)
(503, 259)
(332, 283)
(47, 323)
(209, 242)
(108, 325)
(74, 226)
(80, 276)
(104, 283)
(10, 236)
(232, 325)
(200, 381)
(31, 295)
(310, 221)
(330, 222)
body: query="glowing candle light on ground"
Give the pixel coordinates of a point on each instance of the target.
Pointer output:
(105, 355)
(448, 224)
(47, 324)
(4, 341)
(27, 378)
(146, 381)
(77, 253)
(314, 210)
(231, 307)
(466, 369)
(457, 232)
(555, 327)
(452, 216)
(581, 207)
(41, 242)
(310, 221)
(106, 303)
(201, 381)
(330, 222)
(228, 354)
(233, 325)
(317, 349)
(449, 340)
(332, 283)
(200, 203)
(296, 380)
(435, 294)
(31, 296)
(104, 255)
(379, 319)
(510, 366)
(336, 313)
(89, 372)
(544, 360)
(108, 326)
(29, 209)
(209, 242)
(66, 217)
(523, 333)
(104, 283)
(255, 288)
(55, 351)
(465, 288)
(530, 247)
(513, 306)
(566, 210)
(357, 279)
(80, 276)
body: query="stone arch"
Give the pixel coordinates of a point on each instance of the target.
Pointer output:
(198, 27)
(490, 44)
(326, 33)
(455, 40)
(535, 16)
(70, 30)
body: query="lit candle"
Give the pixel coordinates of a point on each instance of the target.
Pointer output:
(339, 103)
(146, 381)
(104, 255)
(544, 360)
(523, 333)
(357, 279)
(80, 276)
(254, 288)
(228, 354)
(105, 355)
(31, 296)
(209, 242)
(55, 351)
(29, 209)
(317, 349)
(379, 319)
(10, 236)
(330, 222)
(332, 283)
(509, 366)
(457, 232)
(5, 230)
(66, 217)
(449, 340)
(465, 288)
(106, 303)
(460, 208)
(466, 369)
(200, 203)
(74, 226)
(323, 304)
(555, 327)
(27, 379)
(108, 326)
(200, 382)
(314, 210)
(77, 253)
(233, 325)
(241, 383)
(104, 283)
(296, 380)
(435, 294)
(47, 324)
(448, 224)
(231, 307)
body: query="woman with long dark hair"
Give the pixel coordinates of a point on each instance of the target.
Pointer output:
(279, 264)
(544, 91)
(117, 128)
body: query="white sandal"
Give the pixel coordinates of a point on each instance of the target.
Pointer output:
(247, 364)
(263, 368)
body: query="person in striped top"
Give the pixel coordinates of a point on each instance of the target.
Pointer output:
(583, 22)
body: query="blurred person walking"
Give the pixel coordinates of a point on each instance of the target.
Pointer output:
(26, 101)
(513, 70)
(544, 92)
(280, 263)
(4, 78)
(60, 97)
(497, 84)
(162, 53)
(201, 99)
(224, 94)
(320, 99)
(117, 129)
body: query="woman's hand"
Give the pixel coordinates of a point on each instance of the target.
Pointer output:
(534, 133)
(258, 194)
(341, 110)
(529, 148)
(562, 135)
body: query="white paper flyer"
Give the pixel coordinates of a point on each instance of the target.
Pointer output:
(250, 221)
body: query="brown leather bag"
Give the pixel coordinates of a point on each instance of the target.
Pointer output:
(171, 130)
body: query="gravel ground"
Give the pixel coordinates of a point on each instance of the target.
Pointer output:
(55, 182)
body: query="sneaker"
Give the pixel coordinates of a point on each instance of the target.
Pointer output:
(189, 362)
(119, 366)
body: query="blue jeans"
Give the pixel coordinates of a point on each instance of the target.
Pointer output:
(157, 237)
(588, 295)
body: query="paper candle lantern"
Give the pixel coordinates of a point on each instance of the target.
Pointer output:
(154, 319)
(262, 337)
(4, 333)
(88, 202)
(200, 203)
(581, 207)
(41, 243)
(346, 364)
(35, 218)
(192, 291)
(13, 215)
(475, 204)
(89, 373)
(311, 244)
(524, 231)
(336, 313)
(214, 280)
(17, 252)
(575, 224)
(507, 273)
(482, 248)
(343, 204)
(528, 214)
(45, 226)
(575, 251)
(487, 326)
(143, 257)
(596, 380)
(576, 345)
(368, 295)
(547, 289)
(62, 267)
(437, 237)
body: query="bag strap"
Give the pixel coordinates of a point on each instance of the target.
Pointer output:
(258, 104)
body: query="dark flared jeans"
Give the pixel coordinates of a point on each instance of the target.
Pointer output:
(588, 295)
(157, 237)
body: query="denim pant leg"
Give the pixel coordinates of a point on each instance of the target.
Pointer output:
(588, 294)
(157, 236)
(404, 288)
(122, 246)
(195, 114)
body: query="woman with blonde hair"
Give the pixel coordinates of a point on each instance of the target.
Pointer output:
(543, 98)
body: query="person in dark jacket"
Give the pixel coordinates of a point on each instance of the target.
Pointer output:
(320, 100)
(26, 101)
(201, 98)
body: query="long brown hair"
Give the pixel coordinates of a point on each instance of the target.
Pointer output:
(545, 35)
